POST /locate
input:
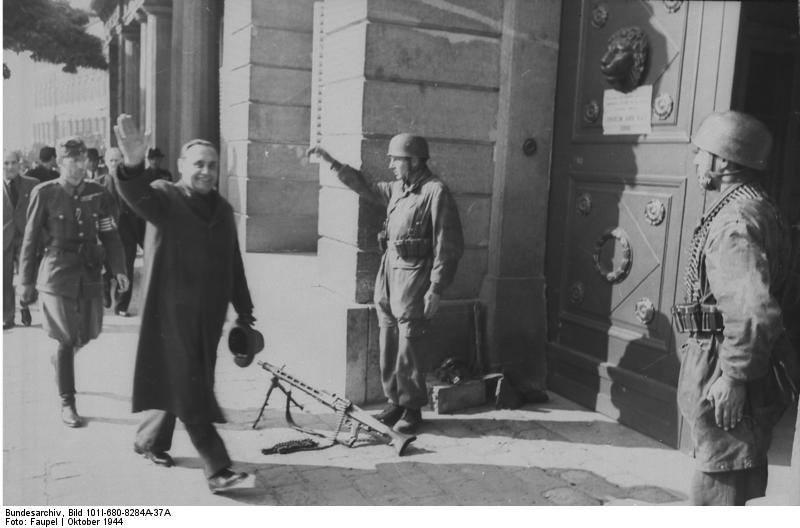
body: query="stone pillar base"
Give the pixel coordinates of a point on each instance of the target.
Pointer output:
(354, 330)
(516, 329)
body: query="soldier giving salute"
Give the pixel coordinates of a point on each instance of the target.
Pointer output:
(71, 217)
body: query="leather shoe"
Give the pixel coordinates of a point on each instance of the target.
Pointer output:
(70, 416)
(390, 415)
(7, 325)
(410, 421)
(122, 313)
(159, 458)
(25, 315)
(225, 480)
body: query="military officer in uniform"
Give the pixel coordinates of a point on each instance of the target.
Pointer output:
(733, 385)
(71, 218)
(422, 242)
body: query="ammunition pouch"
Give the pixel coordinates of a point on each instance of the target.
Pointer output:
(408, 248)
(383, 240)
(692, 318)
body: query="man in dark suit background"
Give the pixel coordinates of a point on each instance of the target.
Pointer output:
(16, 193)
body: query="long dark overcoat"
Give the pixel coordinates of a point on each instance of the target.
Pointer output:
(193, 270)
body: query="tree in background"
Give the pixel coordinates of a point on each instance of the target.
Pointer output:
(52, 31)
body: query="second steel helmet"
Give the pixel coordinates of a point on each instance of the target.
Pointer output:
(737, 137)
(408, 146)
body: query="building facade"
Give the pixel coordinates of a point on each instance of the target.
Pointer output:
(573, 229)
(42, 104)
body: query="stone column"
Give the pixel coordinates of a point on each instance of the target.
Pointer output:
(195, 66)
(514, 287)
(130, 76)
(156, 41)
(113, 85)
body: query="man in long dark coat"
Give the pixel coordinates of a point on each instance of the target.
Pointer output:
(193, 270)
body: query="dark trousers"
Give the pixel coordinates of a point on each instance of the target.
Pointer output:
(8, 285)
(131, 233)
(155, 434)
(728, 488)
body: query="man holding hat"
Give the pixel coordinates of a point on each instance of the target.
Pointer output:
(72, 218)
(422, 243)
(193, 272)
(733, 383)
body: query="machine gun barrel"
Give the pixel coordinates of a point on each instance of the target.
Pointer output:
(396, 439)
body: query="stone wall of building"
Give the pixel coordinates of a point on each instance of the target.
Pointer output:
(265, 79)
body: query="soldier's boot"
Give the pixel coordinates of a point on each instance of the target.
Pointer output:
(65, 374)
(69, 415)
(410, 422)
(390, 414)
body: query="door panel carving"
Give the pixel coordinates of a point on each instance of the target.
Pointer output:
(671, 66)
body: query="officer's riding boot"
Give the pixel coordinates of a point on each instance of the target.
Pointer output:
(65, 373)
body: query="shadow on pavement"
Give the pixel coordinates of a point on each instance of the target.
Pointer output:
(419, 483)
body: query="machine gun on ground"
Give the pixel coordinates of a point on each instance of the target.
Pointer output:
(345, 409)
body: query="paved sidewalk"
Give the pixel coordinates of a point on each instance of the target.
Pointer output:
(557, 453)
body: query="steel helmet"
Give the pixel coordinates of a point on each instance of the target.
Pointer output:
(408, 146)
(737, 137)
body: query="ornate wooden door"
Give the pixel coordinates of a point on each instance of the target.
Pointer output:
(623, 205)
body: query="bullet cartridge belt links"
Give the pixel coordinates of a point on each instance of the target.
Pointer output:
(697, 317)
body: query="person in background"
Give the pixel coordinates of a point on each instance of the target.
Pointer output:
(46, 169)
(93, 170)
(154, 171)
(72, 218)
(16, 195)
(131, 233)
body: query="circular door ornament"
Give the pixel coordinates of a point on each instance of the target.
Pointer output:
(576, 292)
(591, 111)
(662, 106)
(644, 310)
(583, 204)
(599, 16)
(619, 273)
(655, 211)
(673, 6)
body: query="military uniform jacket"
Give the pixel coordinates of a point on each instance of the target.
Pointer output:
(193, 270)
(423, 211)
(745, 264)
(76, 227)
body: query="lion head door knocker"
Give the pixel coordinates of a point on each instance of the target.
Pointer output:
(625, 59)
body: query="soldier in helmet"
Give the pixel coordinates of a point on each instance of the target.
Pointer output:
(732, 378)
(72, 218)
(422, 242)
